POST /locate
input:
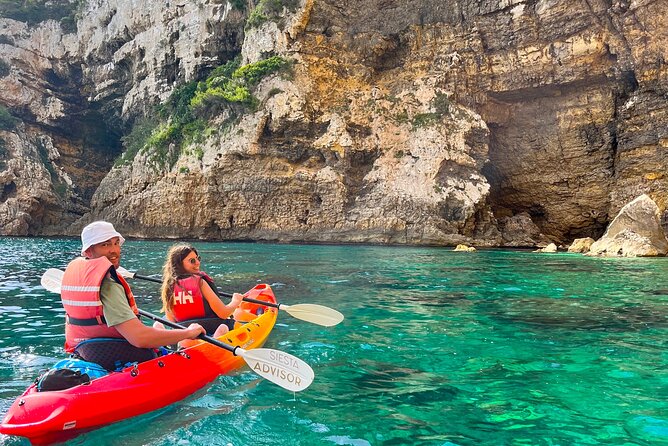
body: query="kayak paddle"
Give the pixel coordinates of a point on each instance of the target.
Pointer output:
(279, 367)
(316, 314)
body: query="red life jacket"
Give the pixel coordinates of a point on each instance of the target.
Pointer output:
(80, 295)
(188, 300)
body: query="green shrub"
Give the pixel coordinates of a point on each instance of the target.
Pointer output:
(401, 117)
(7, 121)
(181, 121)
(267, 10)
(441, 104)
(136, 140)
(424, 119)
(194, 132)
(226, 70)
(163, 135)
(238, 4)
(231, 83)
(218, 95)
(199, 153)
(178, 105)
(252, 73)
(256, 18)
(4, 153)
(36, 11)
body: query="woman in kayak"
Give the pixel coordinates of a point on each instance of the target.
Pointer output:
(189, 294)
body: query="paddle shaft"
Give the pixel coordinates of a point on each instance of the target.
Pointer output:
(204, 337)
(247, 299)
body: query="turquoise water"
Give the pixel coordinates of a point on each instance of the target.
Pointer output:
(437, 348)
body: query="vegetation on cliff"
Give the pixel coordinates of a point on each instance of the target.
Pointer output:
(231, 83)
(7, 121)
(36, 11)
(5, 69)
(269, 10)
(183, 120)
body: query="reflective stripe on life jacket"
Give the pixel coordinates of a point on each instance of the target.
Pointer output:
(80, 295)
(188, 300)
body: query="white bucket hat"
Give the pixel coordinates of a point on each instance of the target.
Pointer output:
(97, 232)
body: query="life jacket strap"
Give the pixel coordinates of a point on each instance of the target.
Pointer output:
(99, 320)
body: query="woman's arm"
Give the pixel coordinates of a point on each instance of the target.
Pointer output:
(222, 311)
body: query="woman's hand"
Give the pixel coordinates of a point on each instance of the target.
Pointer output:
(237, 299)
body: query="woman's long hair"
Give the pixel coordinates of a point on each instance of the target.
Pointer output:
(172, 271)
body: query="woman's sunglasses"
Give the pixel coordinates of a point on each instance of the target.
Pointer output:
(194, 260)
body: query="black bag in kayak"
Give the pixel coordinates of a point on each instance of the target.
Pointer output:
(59, 379)
(69, 373)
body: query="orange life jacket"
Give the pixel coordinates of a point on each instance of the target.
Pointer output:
(80, 295)
(188, 300)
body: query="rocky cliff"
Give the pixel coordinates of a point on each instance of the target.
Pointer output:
(424, 122)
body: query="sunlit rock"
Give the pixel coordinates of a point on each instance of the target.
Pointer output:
(635, 232)
(581, 245)
(549, 248)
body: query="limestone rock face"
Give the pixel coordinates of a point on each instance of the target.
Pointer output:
(488, 124)
(74, 92)
(635, 232)
(581, 245)
(520, 231)
(135, 52)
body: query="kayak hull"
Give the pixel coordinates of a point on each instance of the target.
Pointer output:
(48, 417)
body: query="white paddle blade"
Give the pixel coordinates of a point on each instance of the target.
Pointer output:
(279, 367)
(125, 273)
(316, 314)
(52, 279)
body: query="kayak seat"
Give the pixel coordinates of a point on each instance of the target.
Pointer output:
(112, 353)
(210, 324)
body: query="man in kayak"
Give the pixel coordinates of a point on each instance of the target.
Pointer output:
(102, 323)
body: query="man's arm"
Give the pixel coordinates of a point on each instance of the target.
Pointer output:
(143, 336)
(119, 315)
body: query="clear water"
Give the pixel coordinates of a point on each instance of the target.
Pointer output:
(437, 348)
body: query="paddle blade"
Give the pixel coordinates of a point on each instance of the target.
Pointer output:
(52, 279)
(317, 314)
(124, 273)
(279, 367)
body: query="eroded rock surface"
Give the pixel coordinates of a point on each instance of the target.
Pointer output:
(635, 232)
(488, 124)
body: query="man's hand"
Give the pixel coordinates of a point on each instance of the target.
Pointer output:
(196, 330)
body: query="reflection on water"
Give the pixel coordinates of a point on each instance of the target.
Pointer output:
(437, 348)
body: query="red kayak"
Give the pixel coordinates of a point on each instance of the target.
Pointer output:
(51, 416)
